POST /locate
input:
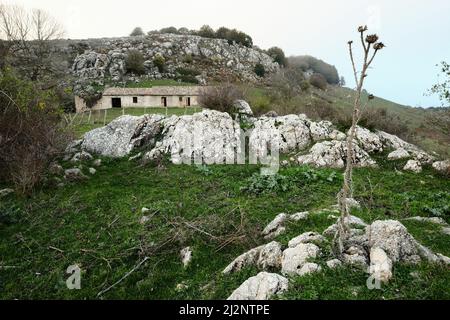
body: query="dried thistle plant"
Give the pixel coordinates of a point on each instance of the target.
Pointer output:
(371, 45)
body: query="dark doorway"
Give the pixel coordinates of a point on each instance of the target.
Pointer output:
(189, 101)
(164, 101)
(116, 103)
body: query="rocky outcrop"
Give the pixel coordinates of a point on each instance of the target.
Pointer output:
(123, 135)
(261, 287)
(213, 137)
(307, 237)
(393, 237)
(394, 142)
(333, 154)
(105, 58)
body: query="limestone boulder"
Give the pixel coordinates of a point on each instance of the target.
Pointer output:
(265, 257)
(380, 265)
(414, 166)
(442, 166)
(399, 154)
(295, 258)
(261, 287)
(122, 135)
(307, 237)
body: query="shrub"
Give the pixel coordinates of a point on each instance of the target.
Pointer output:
(188, 58)
(318, 66)
(187, 75)
(206, 32)
(220, 98)
(305, 85)
(317, 80)
(160, 63)
(260, 70)
(31, 131)
(134, 62)
(278, 56)
(137, 32)
(169, 30)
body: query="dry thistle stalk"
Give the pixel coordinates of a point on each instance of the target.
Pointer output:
(371, 46)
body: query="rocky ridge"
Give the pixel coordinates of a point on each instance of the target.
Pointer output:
(212, 137)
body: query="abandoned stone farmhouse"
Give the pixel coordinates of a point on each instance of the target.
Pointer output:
(155, 97)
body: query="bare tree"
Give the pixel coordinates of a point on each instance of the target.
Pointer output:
(28, 35)
(371, 46)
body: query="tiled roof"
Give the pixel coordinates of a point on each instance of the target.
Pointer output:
(155, 91)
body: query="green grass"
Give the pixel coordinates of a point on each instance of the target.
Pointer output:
(83, 124)
(95, 224)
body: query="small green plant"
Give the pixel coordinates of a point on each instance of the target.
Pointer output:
(260, 184)
(135, 62)
(160, 63)
(204, 170)
(260, 70)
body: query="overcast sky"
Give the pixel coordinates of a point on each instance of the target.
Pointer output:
(415, 31)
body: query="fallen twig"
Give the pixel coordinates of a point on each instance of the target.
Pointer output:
(124, 277)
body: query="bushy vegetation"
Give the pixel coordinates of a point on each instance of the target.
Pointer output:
(318, 66)
(187, 75)
(232, 35)
(260, 70)
(137, 32)
(221, 97)
(160, 62)
(31, 131)
(318, 80)
(134, 62)
(278, 56)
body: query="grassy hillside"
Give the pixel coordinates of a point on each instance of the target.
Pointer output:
(96, 225)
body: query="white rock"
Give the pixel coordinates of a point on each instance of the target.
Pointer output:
(435, 220)
(81, 156)
(97, 163)
(264, 257)
(242, 107)
(135, 157)
(74, 174)
(92, 171)
(414, 166)
(275, 225)
(307, 237)
(356, 256)
(368, 140)
(392, 237)
(295, 258)
(299, 216)
(442, 166)
(186, 256)
(275, 234)
(333, 264)
(351, 221)
(398, 154)
(333, 154)
(122, 135)
(380, 265)
(309, 268)
(6, 192)
(261, 287)
(145, 210)
(144, 220)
